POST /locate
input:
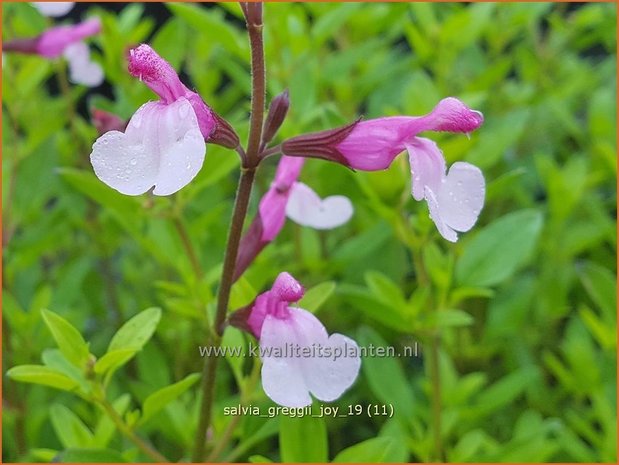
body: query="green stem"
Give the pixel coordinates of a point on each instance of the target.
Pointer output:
(188, 246)
(130, 434)
(435, 379)
(226, 437)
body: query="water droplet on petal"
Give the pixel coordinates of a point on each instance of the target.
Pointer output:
(134, 162)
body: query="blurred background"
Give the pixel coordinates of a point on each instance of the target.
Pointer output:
(516, 322)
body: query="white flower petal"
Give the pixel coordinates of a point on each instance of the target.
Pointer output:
(162, 146)
(461, 196)
(427, 165)
(435, 214)
(182, 147)
(328, 377)
(82, 70)
(282, 377)
(306, 208)
(289, 380)
(54, 9)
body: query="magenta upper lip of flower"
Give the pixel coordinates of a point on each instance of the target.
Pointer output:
(161, 78)
(54, 41)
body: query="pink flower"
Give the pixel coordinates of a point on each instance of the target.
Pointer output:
(156, 73)
(163, 145)
(271, 213)
(455, 199)
(67, 41)
(299, 358)
(53, 42)
(289, 198)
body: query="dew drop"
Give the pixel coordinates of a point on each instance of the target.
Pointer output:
(133, 162)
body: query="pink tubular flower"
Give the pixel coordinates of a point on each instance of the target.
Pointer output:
(53, 42)
(163, 145)
(271, 213)
(289, 198)
(455, 199)
(298, 356)
(160, 77)
(66, 41)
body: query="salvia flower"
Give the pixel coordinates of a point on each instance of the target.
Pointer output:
(287, 197)
(271, 213)
(164, 142)
(299, 357)
(455, 199)
(53, 42)
(65, 41)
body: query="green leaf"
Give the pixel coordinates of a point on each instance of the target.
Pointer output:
(124, 208)
(39, 374)
(233, 340)
(69, 340)
(54, 359)
(375, 450)
(397, 390)
(303, 439)
(113, 360)
(136, 332)
(159, 399)
(601, 285)
(316, 296)
(84, 455)
(496, 251)
(71, 431)
(504, 391)
(213, 25)
(450, 318)
(384, 289)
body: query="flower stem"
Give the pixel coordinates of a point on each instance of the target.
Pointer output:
(188, 246)
(246, 181)
(130, 434)
(210, 366)
(258, 84)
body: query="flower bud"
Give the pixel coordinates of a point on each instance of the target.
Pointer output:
(224, 134)
(321, 144)
(105, 121)
(277, 113)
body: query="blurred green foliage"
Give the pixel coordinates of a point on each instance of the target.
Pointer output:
(521, 311)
